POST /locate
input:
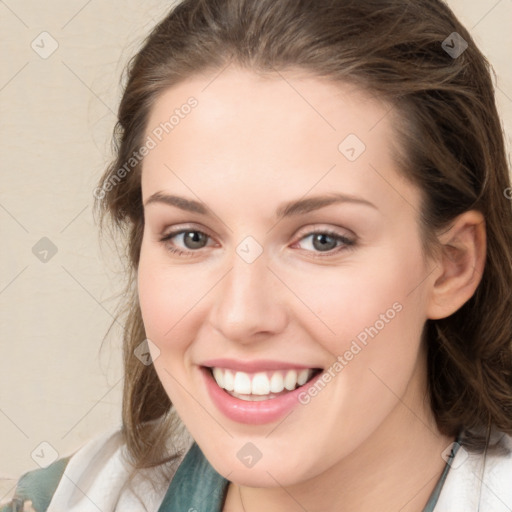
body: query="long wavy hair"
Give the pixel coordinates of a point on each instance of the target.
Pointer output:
(452, 148)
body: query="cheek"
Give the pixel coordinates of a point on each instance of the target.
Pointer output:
(380, 296)
(157, 307)
(375, 314)
(167, 298)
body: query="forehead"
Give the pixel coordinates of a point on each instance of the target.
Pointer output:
(290, 130)
(280, 103)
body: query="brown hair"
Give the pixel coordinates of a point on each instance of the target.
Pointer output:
(452, 148)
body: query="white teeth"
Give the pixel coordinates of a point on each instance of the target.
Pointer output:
(276, 383)
(290, 381)
(261, 384)
(303, 377)
(252, 398)
(242, 383)
(219, 376)
(229, 380)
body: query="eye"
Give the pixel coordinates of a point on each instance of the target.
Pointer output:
(326, 241)
(321, 241)
(192, 239)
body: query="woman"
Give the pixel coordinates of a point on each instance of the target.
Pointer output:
(314, 198)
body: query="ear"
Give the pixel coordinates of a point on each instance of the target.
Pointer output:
(460, 265)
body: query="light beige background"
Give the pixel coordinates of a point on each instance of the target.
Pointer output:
(56, 117)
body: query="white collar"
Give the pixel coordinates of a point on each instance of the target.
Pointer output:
(97, 477)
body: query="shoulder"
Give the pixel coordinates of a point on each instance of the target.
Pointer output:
(98, 475)
(34, 489)
(479, 481)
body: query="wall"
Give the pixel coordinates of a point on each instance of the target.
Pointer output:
(58, 287)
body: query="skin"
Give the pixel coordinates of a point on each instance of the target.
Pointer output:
(368, 440)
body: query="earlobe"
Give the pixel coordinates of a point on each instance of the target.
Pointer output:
(460, 265)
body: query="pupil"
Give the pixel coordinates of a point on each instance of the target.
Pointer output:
(194, 237)
(322, 238)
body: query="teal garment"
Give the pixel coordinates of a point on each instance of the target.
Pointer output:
(196, 486)
(432, 501)
(37, 486)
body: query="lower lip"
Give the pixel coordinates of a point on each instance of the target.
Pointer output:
(253, 413)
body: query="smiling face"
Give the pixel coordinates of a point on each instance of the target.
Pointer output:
(303, 254)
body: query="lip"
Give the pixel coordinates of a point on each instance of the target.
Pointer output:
(253, 413)
(253, 366)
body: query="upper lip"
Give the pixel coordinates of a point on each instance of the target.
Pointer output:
(257, 365)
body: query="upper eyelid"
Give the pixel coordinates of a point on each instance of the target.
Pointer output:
(300, 236)
(179, 231)
(302, 231)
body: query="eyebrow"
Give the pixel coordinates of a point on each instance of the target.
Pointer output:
(288, 209)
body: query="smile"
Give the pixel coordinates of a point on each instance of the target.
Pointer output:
(256, 392)
(259, 386)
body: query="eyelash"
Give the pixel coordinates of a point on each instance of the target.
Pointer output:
(348, 243)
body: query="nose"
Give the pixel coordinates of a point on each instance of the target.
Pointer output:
(249, 303)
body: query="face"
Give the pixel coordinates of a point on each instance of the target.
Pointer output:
(286, 308)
